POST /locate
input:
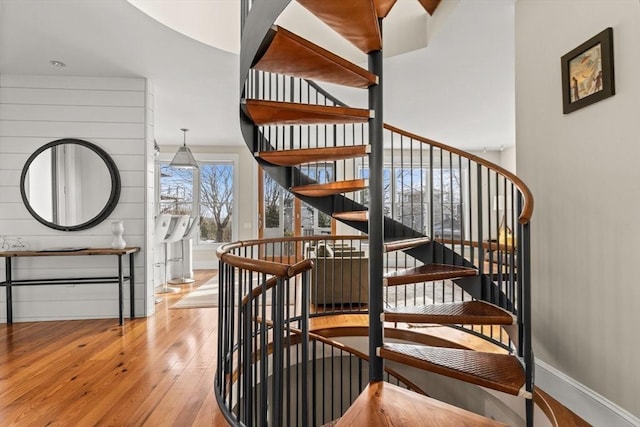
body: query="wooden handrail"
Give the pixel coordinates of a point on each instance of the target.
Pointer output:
(256, 265)
(293, 270)
(258, 242)
(527, 208)
(300, 267)
(273, 268)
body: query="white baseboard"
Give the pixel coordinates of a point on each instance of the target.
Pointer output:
(589, 405)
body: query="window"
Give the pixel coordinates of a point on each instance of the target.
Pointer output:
(407, 199)
(216, 202)
(176, 190)
(209, 191)
(314, 221)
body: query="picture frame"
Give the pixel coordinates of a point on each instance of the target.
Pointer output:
(587, 72)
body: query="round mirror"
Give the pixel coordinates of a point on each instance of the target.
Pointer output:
(70, 184)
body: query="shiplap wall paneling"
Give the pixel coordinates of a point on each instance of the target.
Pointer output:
(111, 113)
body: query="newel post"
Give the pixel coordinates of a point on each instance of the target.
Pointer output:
(376, 217)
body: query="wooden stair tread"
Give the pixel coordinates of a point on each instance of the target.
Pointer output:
(383, 404)
(500, 372)
(290, 113)
(310, 155)
(290, 54)
(383, 7)
(430, 5)
(330, 188)
(405, 243)
(356, 216)
(457, 313)
(356, 21)
(426, 273)
(342, 325)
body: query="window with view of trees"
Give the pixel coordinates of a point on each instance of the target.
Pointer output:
(208, 191)
(216, 202)
(315, 221)
(407, 199)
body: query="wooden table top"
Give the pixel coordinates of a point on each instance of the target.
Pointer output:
(71, 252)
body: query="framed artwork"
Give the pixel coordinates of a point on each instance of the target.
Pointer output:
(587, 72)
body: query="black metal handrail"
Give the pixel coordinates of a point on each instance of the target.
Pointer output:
(271, 368)
(270, 290)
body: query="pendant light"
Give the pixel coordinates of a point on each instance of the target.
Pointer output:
(183, 158)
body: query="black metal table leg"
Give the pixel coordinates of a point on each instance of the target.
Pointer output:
(8, 291)
(132, 285)
(120, 296)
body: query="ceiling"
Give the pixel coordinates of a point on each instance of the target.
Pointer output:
(459, 89)
(196, 85)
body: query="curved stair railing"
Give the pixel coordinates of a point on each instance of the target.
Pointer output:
(453, 248)
(266, 333)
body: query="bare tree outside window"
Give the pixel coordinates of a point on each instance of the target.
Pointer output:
(216, 202)
(272, 191)
(314, 221)
(386, 190)
(410, 197)
(406, 199)
(448, 200)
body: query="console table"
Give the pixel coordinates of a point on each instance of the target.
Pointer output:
(9, 283)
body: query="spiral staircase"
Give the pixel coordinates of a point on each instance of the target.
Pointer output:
(345, 162)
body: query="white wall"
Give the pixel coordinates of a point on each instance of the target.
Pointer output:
(583, 171)
(149, 199)
(109, 112)
(508, 159)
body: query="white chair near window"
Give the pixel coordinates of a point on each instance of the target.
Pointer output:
(163, 222)
(180, 224)
(189, 234)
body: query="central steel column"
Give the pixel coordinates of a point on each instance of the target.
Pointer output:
(376, 217)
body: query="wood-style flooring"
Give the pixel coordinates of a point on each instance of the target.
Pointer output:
(150, 372)
(155, 371)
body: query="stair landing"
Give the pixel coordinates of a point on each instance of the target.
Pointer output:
(385, 405)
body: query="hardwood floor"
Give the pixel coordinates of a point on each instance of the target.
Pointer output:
(150, 372)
